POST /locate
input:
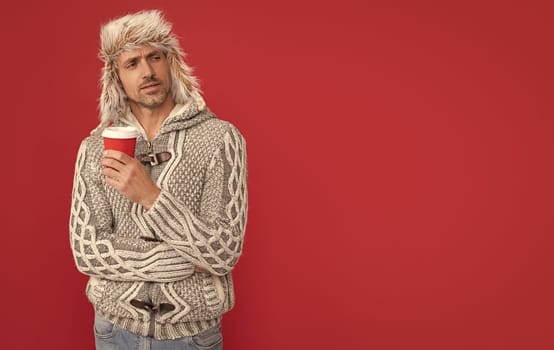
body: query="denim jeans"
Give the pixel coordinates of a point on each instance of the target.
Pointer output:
(110, 337)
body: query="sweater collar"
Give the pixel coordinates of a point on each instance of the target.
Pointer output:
(182, 116)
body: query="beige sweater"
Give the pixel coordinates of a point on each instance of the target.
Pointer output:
(141, 262)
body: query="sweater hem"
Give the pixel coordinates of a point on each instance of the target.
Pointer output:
(162, 331)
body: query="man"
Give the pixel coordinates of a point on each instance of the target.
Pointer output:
(158, 234)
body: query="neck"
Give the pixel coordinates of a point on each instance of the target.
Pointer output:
(151, 119)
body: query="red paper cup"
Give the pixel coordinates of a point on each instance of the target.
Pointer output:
(120, 138)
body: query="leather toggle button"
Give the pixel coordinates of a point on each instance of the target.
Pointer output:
(141, 305)
(165, 308)
(154, 158)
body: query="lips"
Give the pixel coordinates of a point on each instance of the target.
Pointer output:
(149, 85)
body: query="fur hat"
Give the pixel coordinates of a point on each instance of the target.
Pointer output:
(128, 33)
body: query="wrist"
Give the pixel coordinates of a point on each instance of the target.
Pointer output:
(151, 198)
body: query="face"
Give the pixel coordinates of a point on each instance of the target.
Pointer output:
(144, 74)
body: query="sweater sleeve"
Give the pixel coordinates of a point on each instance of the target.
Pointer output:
(97, 250)
(213, 239)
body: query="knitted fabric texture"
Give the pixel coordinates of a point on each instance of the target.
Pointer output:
(199, 219)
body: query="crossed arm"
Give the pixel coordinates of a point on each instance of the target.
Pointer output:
(97, 250)
(210, 241)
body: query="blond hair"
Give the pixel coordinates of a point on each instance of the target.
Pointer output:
(131, 32)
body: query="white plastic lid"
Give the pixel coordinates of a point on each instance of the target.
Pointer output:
(120, 132)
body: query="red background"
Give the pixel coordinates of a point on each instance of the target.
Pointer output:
(400, 161)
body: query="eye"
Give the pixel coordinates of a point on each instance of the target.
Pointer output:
(156, 57)
(131, 64)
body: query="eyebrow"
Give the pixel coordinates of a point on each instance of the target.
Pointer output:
(148, 55)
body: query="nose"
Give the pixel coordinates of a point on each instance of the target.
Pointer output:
(147, 70)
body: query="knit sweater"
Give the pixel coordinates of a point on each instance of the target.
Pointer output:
(137, 257)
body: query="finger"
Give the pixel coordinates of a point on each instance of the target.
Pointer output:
(120, 156)
(112, 182)
(111, 173)
(112, 163)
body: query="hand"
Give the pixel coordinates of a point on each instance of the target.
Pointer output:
(199, 269)
(128, 176)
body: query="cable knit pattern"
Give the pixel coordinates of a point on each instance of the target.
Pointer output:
(215, 242)
(94, 246)
(199, 219)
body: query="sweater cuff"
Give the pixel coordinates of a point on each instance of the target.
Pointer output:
(150, 234)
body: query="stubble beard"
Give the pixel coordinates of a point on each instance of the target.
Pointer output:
(154, 100)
